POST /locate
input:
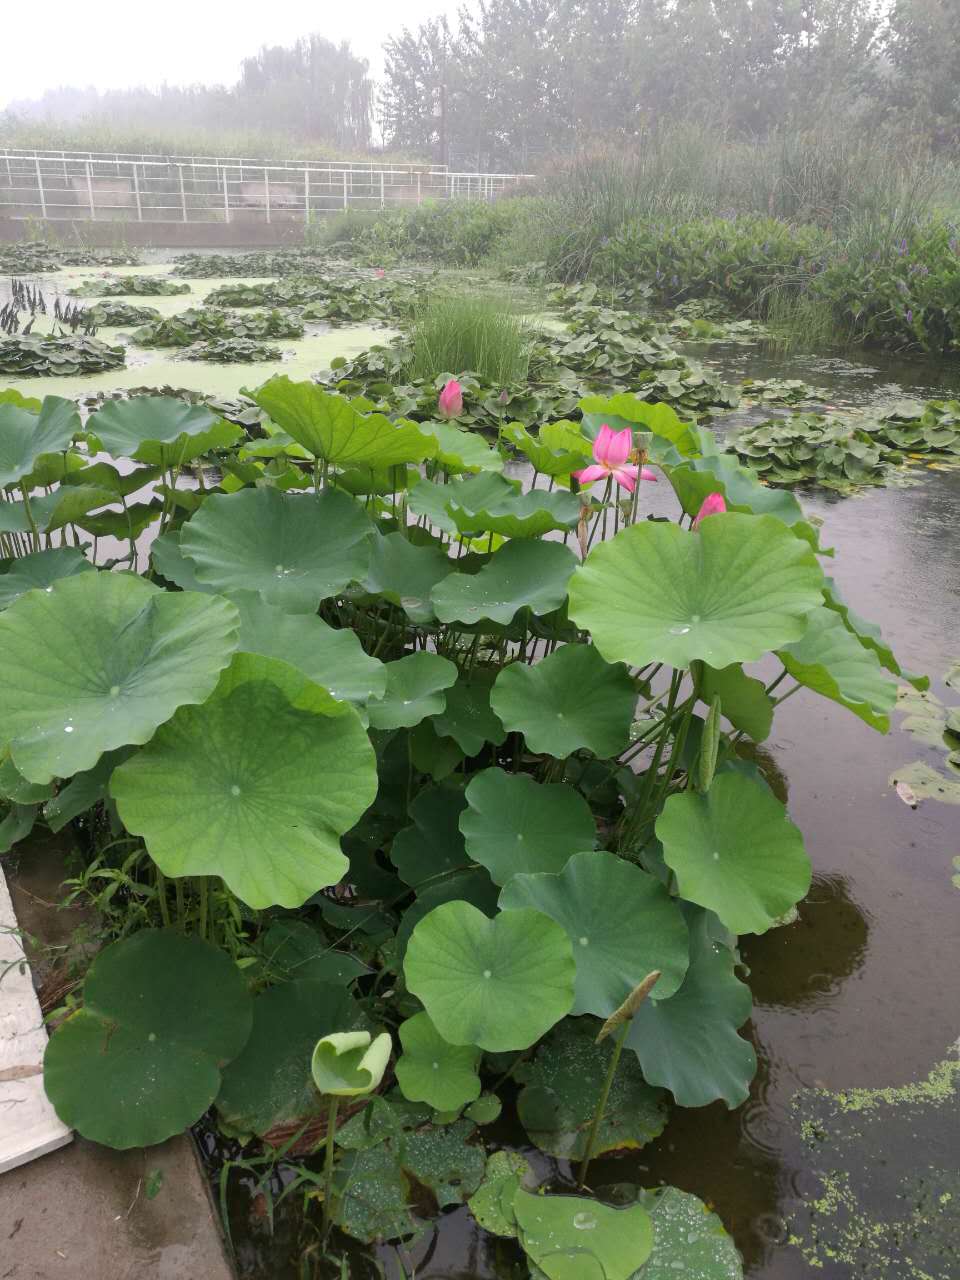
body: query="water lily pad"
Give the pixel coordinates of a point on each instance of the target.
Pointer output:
(563, 1083)
(829, 659)
(332, 658)
(689, 1043)
(372, 1196)
(268, 774)
(330, 427)
(570, 1238)
(568, 701)
(269, 1083)
(26, 437)
(431, 1070)
(405, 573)
(492, 1202)
(498, 984)
(514, 825)
(685, 1232)
(295, 549)
(99, 661)
(738, 587)
(735, 851)
(159, 429)
(441, 1159)
(927, 783)
(485, 1110)
(162, 1013)
(39, 570)
(433, 845)
(621, 922)
(415, 689)
(524, 574)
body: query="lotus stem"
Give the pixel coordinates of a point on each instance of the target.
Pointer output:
(328, 1164)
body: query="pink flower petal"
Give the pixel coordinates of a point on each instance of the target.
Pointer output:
(712, 505)
(589, 474)
(603, 444)
(626, 476)
(647, 474)
(618, 450)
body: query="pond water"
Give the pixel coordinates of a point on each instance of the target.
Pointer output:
(859, 994)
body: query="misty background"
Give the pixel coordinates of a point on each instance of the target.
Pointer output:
(508, 84)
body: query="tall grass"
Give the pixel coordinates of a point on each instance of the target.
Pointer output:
(457, 333)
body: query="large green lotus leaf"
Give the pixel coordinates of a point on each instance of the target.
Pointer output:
(27, 437)
(735, 851)
(689, 1043)
(458, 450)
(415, 690)
(621, 921)
(268, 774)
(330, 427)
(99, 661)
(473, 886)
(14, 786)
(523, 574)
(39, 571)
(570, 1238)
(468, 717)
(869, 635)
(159, 429)
(498, 984)
(516, 826)
(688, 1240)
(432, 499)
(431, 1070)
(830, 660)
(571, 700)
(332, 658)
(296, 949)
(738, 587)
(743, 700)
(405, 573)
(269, 1083)
(563, 1083)
(103, 475)
(515, 515)
(170, 562)
(433, 845)
(492, 1203)
(162, 1013)
(659, 419)
(69, 504)
(295, 549)
(558, 449)
(17, 824)
(83, 791)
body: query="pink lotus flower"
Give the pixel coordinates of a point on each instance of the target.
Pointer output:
(379, 273)
(611, 449)
(451, 399)
(712, 505)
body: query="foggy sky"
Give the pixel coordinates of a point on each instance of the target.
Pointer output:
(117, 44)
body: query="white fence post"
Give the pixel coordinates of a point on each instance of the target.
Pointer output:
(306, 196)
(183, 194)
(43, 198)
(382, 195)
(346, 198)
(266, 190)
(136, 191)
(419, 192)
(93, 212)
(226, 196)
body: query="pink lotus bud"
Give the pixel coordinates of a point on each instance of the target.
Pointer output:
(712, 505)
(379, 273)
(451, 399)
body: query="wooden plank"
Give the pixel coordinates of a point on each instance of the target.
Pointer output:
(29, 1126)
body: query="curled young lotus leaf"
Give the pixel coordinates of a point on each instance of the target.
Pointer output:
(97, 661)
(498, 984)
(571, 1238)
(269, 773)
(346, 1064)
(515, 825)
(568, 701)
(689, 1043)
(729, 592)
(520, 575)
(162, 1013)
(294, 549)
(26, 437)
(621, 922)
(735, 852)
(431, 1070)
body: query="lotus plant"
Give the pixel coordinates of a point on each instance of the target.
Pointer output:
(611, 451)
(712, 505)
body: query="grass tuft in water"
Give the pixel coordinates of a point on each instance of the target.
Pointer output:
(456, 333)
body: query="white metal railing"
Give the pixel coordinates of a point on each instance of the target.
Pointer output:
(76, 185)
